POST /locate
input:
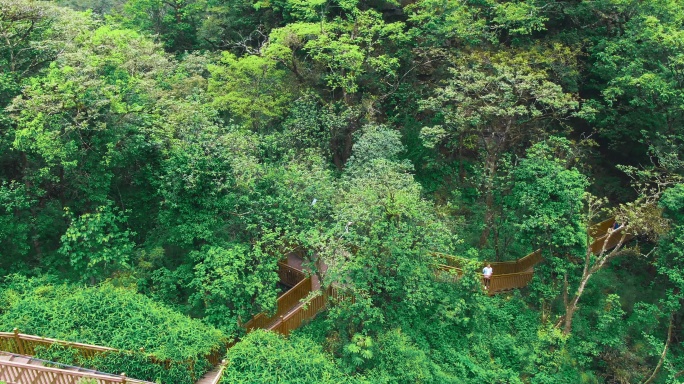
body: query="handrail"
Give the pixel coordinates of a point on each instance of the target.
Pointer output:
(217, 379)
(599, 229)
(529, 261)
(11, 371)
(517, 274)
(451, 260)
(499, 283)
(54, 364)
(284, 305)
(307, 310)
(289, 275)
(24, 344)
(498, 267)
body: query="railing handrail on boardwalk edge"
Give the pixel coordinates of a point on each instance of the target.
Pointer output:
(514, 274)
(24, 344)
(217, 379)
(284, 304)
(38, 374)
(289, 275)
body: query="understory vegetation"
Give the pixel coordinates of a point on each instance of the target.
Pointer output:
(158, 158)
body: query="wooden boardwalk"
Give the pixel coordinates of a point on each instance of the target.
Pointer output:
(213, 376)
(20, 369)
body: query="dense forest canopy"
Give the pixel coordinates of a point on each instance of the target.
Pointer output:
(167, 154)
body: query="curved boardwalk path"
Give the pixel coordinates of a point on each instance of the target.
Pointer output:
(508, 275)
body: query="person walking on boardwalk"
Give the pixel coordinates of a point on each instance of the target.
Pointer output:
(487, 272)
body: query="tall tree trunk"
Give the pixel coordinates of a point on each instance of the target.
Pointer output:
(490, 166)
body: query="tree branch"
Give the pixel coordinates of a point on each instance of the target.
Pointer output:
(663, 354)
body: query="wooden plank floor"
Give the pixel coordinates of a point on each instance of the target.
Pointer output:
(209, 377)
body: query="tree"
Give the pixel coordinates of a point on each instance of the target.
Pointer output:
(493, 104)
(638, 64)
(351, 64)
(233, 283)
(251, 89)
(547, 202)
(378, 243)
(207, 173)
(549, 199)
(14, 224)
(175, 21)
(267, 357)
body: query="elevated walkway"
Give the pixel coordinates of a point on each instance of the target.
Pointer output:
(508, 275)
(21, 369)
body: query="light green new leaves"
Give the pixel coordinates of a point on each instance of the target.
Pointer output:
(346, 50)
(251, 88)
(98, 243)
(505, 96)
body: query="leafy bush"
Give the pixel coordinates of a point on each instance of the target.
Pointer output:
(265, 357)
(135, 364)
(112, 317)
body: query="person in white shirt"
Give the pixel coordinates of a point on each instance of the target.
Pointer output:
(487, 272)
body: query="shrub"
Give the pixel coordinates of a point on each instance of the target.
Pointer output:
(265, 357)
(112, 317)
(136, 365)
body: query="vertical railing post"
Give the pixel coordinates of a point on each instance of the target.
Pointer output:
(123, 377)
(17, 340)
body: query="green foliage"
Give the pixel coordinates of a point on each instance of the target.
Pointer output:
(286, 125)
(251, 88)
(501, 99)
(640, 76)
(233, 284)
(96, 245)
(671, 247)
(134, 364)
(267, 357)
(175, 21)
(548, 193)
(397, 360)
(105, 315)
(14, 228)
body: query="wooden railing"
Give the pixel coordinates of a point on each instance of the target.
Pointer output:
(15, 372)
(306, 311)
(15, 342)
(23, 344)
(499, 283)
(610, 240)
(517, 274)
(529, 261)
(217, 378)
(215, 357)
(284, 304)
(449, 260)
(288, 275)
(600, 229)
(503, 267)
(498, 267)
